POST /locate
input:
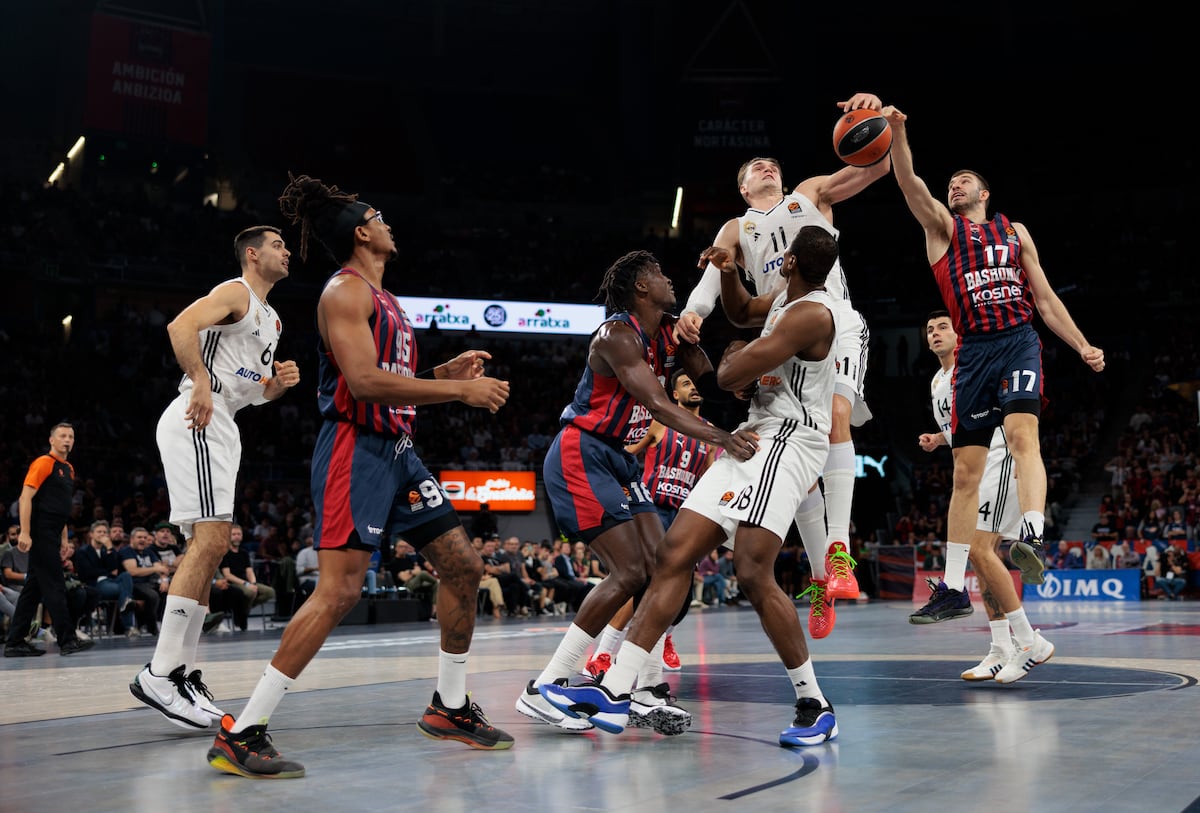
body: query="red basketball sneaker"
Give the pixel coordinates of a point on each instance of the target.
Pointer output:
(839, 572)
(821, 615)
(670, 656)
(598, 665)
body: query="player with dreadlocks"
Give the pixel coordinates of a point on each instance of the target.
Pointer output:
(595, 487)
(368, 484)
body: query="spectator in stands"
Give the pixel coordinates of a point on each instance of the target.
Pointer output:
(1152, 527)
(1120, 553)
(1105, 530)
(14, 567)
(150, 578)
(519, 596)
(97, 565)
(552, 586)
(275, 565)
(1060, 558)
(1099, 558)
(308, 570)
(82, 599)
(934, 558)
(167, 546)
(237, 569)
(729, 571)
(10, 538)
(1140, 419)
(492, 570)
(1176, 529)
(1120, 469)
(708, 573)
(570, 588)
(413, 572)
(1173, 573)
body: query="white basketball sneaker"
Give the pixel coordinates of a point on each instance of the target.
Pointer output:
(171, 696)
(1025, 658)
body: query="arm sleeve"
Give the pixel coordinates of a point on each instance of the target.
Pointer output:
(704, 296)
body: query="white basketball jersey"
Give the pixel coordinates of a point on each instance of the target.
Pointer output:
(941, 389)
(797, 390)
(764, 236)
(239, 356)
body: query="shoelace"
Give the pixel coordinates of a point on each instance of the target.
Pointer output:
(256, 740)
(476, 716)
(843, 564)
(180, 681)
(196, 682)
(817, 599)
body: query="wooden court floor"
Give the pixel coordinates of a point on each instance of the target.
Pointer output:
(1111, 723)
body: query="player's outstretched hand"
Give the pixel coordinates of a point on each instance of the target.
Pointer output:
(860, 100)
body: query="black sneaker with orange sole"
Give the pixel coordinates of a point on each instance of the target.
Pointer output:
(250, 753)
(466, 725)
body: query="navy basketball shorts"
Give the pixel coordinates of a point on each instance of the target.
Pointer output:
(592, 485)
(997, 373)
(375, 485)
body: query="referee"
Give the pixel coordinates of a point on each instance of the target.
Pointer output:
(45, 507)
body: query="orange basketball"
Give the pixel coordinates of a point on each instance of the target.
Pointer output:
(862, 137)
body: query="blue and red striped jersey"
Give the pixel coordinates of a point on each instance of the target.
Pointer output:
(397, 353)
(981, 278)
(602, 405)
(673, 466)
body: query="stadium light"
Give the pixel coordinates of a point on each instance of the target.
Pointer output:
(678, 206)
(56, 174)
(75, 150)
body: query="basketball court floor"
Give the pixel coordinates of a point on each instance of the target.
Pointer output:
(1111, 723)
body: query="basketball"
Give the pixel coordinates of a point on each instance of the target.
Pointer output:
(862, 137)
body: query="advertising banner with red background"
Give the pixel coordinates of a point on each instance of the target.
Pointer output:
(501, 490)
(147, 81)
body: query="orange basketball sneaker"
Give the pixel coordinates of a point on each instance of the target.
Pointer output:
(840, 581)
(821, 615)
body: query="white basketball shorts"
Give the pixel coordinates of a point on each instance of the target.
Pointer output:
(201, 467)
(767, 489)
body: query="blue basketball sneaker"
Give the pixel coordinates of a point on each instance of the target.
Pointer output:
(814, 724)
(591, 701)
